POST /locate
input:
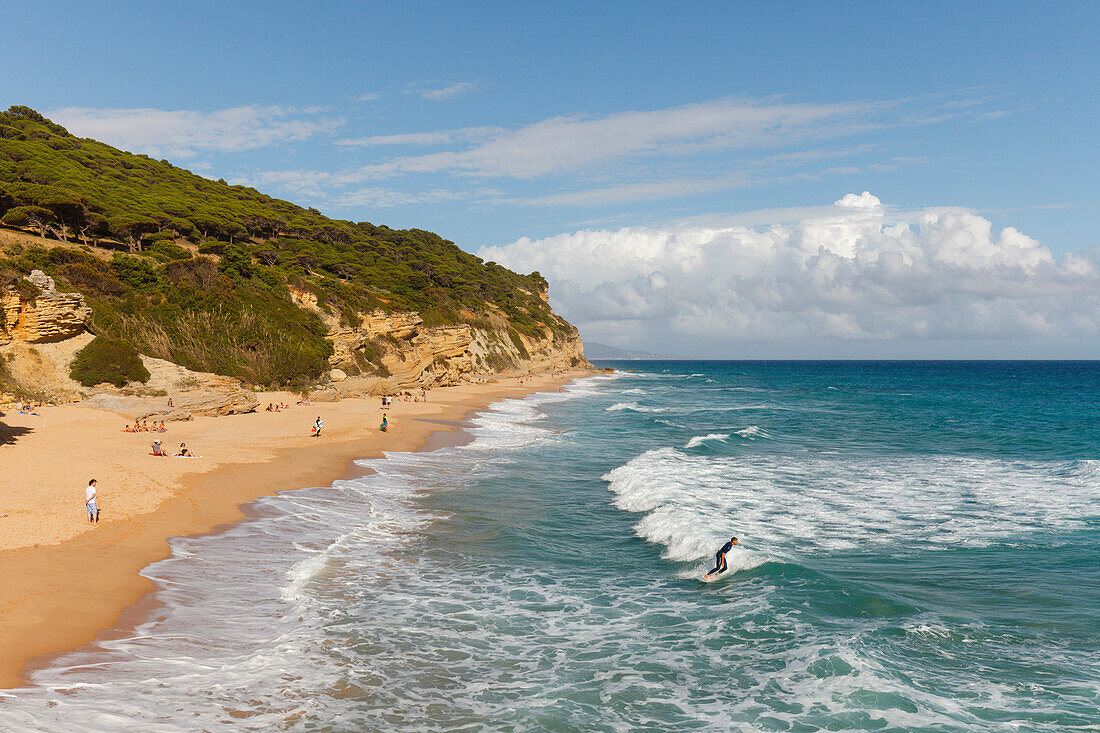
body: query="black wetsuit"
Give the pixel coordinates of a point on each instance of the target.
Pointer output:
(720, 559)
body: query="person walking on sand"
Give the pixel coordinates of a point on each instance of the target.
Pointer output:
(315, 431)
(385, 424)
(90, 504)
(720, 558)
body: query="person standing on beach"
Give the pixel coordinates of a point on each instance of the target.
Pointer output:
(90, 504)
(385, 424)
(316, 432)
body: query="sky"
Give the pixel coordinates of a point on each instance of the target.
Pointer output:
(719, 180)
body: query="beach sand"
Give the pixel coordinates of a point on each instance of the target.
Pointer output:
(65, 581)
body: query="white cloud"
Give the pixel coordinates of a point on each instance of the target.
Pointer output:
(588, 144)
(439, 94)
(563, 144)
(442, 137)
(185, 133)
(855, 270)
(369, 97)
(299, 182)
(386, 198)
(639, 155)
(859, 201)
(643, 191)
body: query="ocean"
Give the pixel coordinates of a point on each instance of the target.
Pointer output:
(920, 551)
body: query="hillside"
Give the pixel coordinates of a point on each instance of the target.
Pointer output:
(224, 279)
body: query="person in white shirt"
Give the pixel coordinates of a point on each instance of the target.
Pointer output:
(89, 502)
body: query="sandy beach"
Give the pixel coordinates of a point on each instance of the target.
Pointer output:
(65, 580)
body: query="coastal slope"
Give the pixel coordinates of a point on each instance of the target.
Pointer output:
(158, 262)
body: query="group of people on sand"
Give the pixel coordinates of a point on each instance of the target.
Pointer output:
(159, 450)
(142, 426)
(28, 409)
(406, 396)
(277, 406)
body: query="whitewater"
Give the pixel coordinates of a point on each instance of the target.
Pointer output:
(919, 546)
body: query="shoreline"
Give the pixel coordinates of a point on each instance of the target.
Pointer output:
(60, 596)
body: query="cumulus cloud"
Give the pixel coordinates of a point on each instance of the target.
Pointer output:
(859, 201)
(185, 133)
(855, 270)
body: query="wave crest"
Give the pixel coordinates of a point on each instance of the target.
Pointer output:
(699, 440)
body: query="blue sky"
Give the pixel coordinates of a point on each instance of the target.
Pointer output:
(495, 122)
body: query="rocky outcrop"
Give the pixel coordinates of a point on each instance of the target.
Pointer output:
(47, 317)
(195, 394)
(212, 400)
(325, 394)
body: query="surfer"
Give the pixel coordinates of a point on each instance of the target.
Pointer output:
(720, 558)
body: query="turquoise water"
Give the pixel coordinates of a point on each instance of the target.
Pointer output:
(920, 551)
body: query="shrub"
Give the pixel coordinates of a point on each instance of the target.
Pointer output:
(498, 362)
(167, 250)
(236, 263)
(92, 277)
(212, 247)
(12, 280)
(108, 360)
(198, 272)
(518, 342)
(137, 272)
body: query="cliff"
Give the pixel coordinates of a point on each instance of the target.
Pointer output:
(41, 334)
(45, 317)
(402, 352)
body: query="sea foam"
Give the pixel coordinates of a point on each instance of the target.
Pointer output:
(787, 507)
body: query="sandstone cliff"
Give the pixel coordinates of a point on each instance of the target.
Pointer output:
(379, 353)
(47, 317)
(412, 354)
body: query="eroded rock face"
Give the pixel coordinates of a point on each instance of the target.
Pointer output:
(416, 355)
(195, 394)
(434, 356)
(48, 317)
(211, 400)
(422, 356)
(325, 394)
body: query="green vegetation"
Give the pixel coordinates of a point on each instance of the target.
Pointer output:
(108, 360)
(200, 272)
